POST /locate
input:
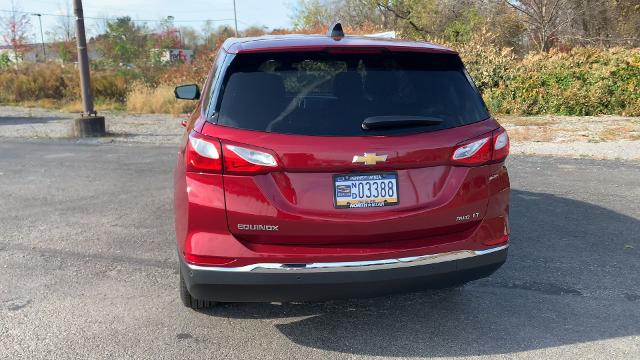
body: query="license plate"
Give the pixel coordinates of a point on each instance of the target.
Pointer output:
(365, 190)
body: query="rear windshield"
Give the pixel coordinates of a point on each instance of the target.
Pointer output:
(330, 94)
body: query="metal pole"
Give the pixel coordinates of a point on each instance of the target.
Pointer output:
(83, 60)
(44, 52)
(235, 17)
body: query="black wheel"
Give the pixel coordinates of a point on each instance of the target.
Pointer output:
(189, 301)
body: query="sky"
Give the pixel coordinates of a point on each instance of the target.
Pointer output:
(270, 13)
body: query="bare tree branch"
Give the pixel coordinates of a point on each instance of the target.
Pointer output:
(397, 14)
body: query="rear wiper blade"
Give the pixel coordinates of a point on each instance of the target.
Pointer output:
(379, 122)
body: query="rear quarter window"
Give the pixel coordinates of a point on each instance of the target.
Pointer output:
(324, 94)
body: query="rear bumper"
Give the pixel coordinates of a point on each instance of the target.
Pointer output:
(323, 281)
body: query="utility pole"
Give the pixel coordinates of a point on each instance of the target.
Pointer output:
(89, 124)
(44, 52)
(235, 17)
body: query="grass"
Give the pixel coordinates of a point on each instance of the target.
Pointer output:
(528, 121)
(156, 100)
(99, 105)
(561, 129)
(531, 134)
(628, 132)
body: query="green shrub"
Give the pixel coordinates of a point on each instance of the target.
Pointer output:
(583, 81)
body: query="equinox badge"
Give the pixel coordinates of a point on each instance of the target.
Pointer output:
(257, 227)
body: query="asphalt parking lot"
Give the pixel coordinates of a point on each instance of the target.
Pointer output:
(88, 270)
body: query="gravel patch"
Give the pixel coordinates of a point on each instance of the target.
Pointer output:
(20, 122)
(606, 137)
(620, 150)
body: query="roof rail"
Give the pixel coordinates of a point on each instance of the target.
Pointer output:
(335, 30)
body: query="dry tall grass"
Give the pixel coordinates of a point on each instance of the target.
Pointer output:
(156, 100)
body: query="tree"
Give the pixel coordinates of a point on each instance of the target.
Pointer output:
(16, 27)
(5, 61)
(190, 37)
(66, 51)
(604, 22)
(124, 42)
(311, 14)
(317, 15)
(254, 31)
(64, 29)
(63, 34)
(168, 36)
(213, 37)
(453, 20)
(505, 23)
(544, 18)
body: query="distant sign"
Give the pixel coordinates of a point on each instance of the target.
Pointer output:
(176, 55)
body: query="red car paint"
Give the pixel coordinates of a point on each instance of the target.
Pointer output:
(445, 204)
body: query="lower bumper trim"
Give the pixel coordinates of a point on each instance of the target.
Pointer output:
(352, 265)
(325, 281)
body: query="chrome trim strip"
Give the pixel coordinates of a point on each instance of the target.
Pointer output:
(353, 265)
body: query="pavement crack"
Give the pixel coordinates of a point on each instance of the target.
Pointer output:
(540, 287)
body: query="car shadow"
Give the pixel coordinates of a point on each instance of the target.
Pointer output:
(571, 277)
(28, 120)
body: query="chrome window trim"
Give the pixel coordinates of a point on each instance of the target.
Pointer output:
(353, 265)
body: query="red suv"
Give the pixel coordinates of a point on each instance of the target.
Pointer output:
(322, 167)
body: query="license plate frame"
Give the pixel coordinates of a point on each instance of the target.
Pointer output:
(361, 203)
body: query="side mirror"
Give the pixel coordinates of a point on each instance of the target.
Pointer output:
(187, 92)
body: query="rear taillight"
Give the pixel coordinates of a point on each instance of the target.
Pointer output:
(491, 147)
(473, 152)
(208, 155)
(240, 159)
(500, 145)
(203, 154)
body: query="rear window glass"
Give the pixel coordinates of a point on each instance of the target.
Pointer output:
(332, 94)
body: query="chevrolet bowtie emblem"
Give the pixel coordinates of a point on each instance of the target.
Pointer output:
(369, 158)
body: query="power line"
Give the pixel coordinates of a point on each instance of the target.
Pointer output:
(115, 17)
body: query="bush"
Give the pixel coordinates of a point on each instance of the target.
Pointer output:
(31, 83)
(583, 81)
(54, 82)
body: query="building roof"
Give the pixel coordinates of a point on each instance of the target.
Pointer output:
(274, 43)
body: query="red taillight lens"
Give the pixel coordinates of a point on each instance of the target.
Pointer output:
(494, 147)
(473, 152)
(203, 154)
(241, 159)
(208, 260)
(500, 145)
(207, 155)
(501, 240)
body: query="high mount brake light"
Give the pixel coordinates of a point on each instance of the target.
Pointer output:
(336, 51)
(491, 147)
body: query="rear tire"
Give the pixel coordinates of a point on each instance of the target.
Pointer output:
(191, 302)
